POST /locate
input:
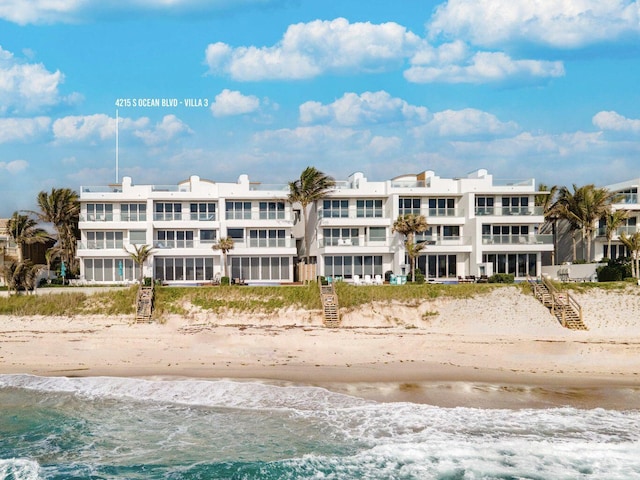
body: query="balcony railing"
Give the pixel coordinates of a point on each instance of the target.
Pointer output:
(271, 242)
(627, 230)
(359, 213)
(452, 240)
(509, 211)
(537, 239)
(163, 244)
(101, 189)
(244, 215)
(97, 217)
(627, 198)
(114, 217)
(409, 184)
(100, 245)
(202, 216)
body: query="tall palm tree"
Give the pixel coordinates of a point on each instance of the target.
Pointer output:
(140, 254)
(583, 208)
(21, 275)
(408, 225)
(61, 208)
(632, 243)
(614, 219)
(22, 230)
(225, 245)
(309, 188)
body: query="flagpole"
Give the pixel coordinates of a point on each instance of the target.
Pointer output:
(117, 122)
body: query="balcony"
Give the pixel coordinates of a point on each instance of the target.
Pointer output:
(453, 240)
(509, 211)
(360, 214)
(538, 239)
(410, 184)
(111, 245)
(627, 230)
(256, 216)
(626, 198)
(101, 189)
(166, 244)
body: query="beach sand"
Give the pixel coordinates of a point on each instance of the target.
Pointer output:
(498, 350)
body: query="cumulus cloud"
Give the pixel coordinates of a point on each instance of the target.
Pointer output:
(168, 129)
(14, 166)
(468, 122)
(616, 122)
(101, 127)
(367, 108)
(558, 23)
(22, 129)
(313, 138)
(231, 102)
(70, 11)
(481, 67)
(310, 49)
(26, 87)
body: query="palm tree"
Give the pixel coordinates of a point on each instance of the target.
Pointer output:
(21, 275)
(225, 245)
(633, 245)
(614, 219)
(140, 255)
(583, 208)
(309, 188)
(408, 225)
(23, 231)
(61, 208)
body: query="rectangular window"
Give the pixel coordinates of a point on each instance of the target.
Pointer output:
(340, 236)
(133, 212)
(168, 211)
(267, 238)
(369, 208)
(236, 233)
(408, 206)
(260, 268)
(347, 266)
(137, 237)
(99, 212)
(271, 210)
(203, 211)
(377, 234)
(102, 240)
(442, 207)
(174, 239)
(238, 210)
(207, 236)
(335, 208)
(515, 206)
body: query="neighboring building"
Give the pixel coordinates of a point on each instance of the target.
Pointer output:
(627, 199)
(476, 226)
(182, 222)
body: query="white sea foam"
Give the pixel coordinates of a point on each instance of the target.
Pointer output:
(19, 469)
(214, 393)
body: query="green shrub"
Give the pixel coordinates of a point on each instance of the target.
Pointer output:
(225, 281)
(501, 278)
(419, 276)
(614, 271)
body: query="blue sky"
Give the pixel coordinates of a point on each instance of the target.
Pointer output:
(546, 89)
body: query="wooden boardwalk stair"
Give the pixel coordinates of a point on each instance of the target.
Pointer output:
(144, 304)
(561, 304)
(330, 305)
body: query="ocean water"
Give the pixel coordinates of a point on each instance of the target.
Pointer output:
(123, 428)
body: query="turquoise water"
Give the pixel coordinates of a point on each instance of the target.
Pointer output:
(115, 428)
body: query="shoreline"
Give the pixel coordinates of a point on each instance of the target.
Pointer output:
(447, 352)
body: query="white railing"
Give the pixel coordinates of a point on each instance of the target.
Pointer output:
(527, 239)
(509, 211)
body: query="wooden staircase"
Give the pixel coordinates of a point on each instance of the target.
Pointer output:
(330, 305)
(561, 304)
(144, 304)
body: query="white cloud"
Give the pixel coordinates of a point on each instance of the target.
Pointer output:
(51, 11)
(101, 127)
(313, 138)
(231, 102)
(14, 166)
(310, 49)
(484, 67)
(26, 87)
(21, 129)
(468, 122)
(558, 23)
(168, 129)
(614, 121)
(368, 108)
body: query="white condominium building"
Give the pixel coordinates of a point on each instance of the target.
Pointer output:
(477, 226)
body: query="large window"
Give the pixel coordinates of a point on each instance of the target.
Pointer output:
(369, 208)
(110, 270)
(133, 212)
(377, 234)
(271, 210)
(517, 264)
(99, 212)
(102, 240)
(207, 236)
(238, 210)
(237, 234)
(442, 207)
(347, 266)
(203, 211)
(515, 205)
(340, 236)
(168, 211)
(174, 239)
(484, 206)
(183, 268)
(267, 238)
(505, 234)
(261, 268)
(409, 206)
(437, 266)
(335, 208)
